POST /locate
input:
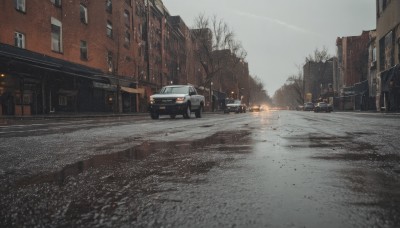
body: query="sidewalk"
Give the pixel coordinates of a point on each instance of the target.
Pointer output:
(86, 115)
(71, 116)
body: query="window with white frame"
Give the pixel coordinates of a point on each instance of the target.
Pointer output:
(83, 14)
(56, 2)
(84, 50)
(110, 62)
(56, 35)
(19, 40)
(20, 5)
(127, 38)
(127, 18)
(109, 6)
(109, 29)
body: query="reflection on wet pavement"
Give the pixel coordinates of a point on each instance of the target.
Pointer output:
(115, 188)
(372, 176)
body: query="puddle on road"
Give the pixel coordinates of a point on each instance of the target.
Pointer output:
(372, 175)
(345, 148)
(226, 142)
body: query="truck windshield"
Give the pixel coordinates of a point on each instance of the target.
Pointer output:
(173, 90)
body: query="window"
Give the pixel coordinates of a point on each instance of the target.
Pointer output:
(62, 100)
(56, 35)
(56, 2)
(109, 29)
(381, 6)
(19, 40)
(83, 14)
(110, 62)
(84, 50)
(398, 50)
(126, 18)
(109, 6)
(20, 5)
(374, 54)
(127, 38)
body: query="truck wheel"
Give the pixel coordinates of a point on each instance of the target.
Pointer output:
(199, 112)
(172, 116)
(187, 113)
(154, 115)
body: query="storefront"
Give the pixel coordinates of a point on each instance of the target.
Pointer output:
(33, 84)
(390, 97)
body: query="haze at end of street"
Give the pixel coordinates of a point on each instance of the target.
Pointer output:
(277, 35)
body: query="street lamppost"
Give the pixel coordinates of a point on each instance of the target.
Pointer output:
(211, 99)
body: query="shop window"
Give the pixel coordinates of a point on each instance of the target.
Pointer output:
(19, 40)
(62, 100)
(56, 35)
(20, 5)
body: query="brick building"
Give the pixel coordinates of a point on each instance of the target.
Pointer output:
(93, 56)
(318, 80)
(76, 57)
(352, 80)
(388, 54)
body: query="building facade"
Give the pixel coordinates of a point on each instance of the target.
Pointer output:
(352, 78)
(318, 81)
(388, 54)
(93, 56)
(75, 56)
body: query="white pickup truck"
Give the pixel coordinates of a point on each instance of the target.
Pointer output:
(176, 100)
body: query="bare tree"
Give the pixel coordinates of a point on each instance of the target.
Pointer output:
(217, 48)
(319, 55)
(296, 83)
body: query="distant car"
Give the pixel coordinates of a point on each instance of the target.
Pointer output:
(255, 108)
(330, 107)
(235, 106)
(308, 106)
(322, 107)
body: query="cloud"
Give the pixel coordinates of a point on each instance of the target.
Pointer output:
(275, 21)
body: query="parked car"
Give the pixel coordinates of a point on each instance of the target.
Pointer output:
(300, 108)
(235, 106)
(176, 100)
(308, 106)
(322, 107)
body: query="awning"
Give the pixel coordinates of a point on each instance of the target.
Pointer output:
(133, 90)
(68, 93)
(22, 57)
(104, 86)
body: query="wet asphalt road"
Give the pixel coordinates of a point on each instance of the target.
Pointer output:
(267, 169)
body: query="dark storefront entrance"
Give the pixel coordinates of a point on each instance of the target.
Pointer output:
(32, 84)
(391, 88)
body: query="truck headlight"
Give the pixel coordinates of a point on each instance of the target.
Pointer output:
(151, 100)
(180, 100)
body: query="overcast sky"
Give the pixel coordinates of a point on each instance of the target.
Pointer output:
(279, 34)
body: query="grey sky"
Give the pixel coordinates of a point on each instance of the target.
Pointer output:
(279, 34)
